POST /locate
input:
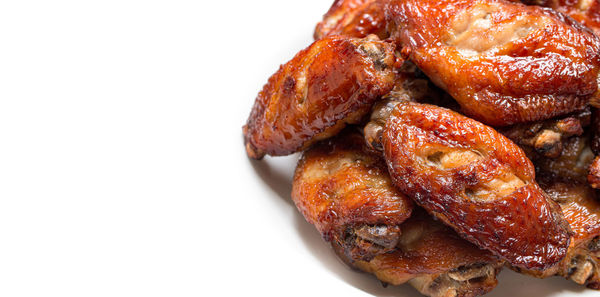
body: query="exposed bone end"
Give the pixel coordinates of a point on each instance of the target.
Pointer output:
(376, 52)
(584, 266)
(385, 237)
(373, 134)
(373, 131)
(593, 282)
(366, 241)
(594, 174)
(251, 151)
(573, 125)
(548, 143)
(465, 281)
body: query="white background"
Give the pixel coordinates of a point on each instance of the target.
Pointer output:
(122, 169)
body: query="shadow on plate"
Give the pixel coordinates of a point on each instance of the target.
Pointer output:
(279, 179)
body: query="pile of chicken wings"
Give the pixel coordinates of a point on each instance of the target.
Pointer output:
(445, 140)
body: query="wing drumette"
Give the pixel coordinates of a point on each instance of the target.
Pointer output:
(332, 82)
(503, 62)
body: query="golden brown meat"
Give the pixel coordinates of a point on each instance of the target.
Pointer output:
(504, 62)
(343, 188)
(476, 181)
(354, 18)
(547, 138)
(435, 260)
(581, 208)
(332, 82)
(586, 12)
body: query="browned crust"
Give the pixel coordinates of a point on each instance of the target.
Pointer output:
(343, 188)
(332, 82)
(436, 261)
(354, 18)
(549, 68)
(522, 226)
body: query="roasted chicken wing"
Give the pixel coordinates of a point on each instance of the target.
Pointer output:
(581, 208)
(332, 82)
(435, 260)
(354, 18)
(504, 62)
(342, 187)
(476, 181)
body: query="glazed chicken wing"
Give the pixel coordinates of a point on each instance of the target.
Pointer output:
(504, 62)
(581, 208)
(343, 188)
(332, 82)
(436, 261)
(563, 179)
(354, 18)
(476, 181)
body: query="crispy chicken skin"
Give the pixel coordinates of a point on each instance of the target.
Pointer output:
(581, 208)
(504, 62)
(343, 188)
(475, 180)
(435, 260)
(332, 82)
(354, 18)
(586, 12)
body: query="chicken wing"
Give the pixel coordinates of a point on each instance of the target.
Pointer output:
(581, 208)
(342, 187)
(332, 82)
(586, 12)
(436, 261)
(354, 18)
(475, 180)
(504, 62)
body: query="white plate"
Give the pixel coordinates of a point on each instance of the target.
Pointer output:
(122, 169)
(281, 254)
